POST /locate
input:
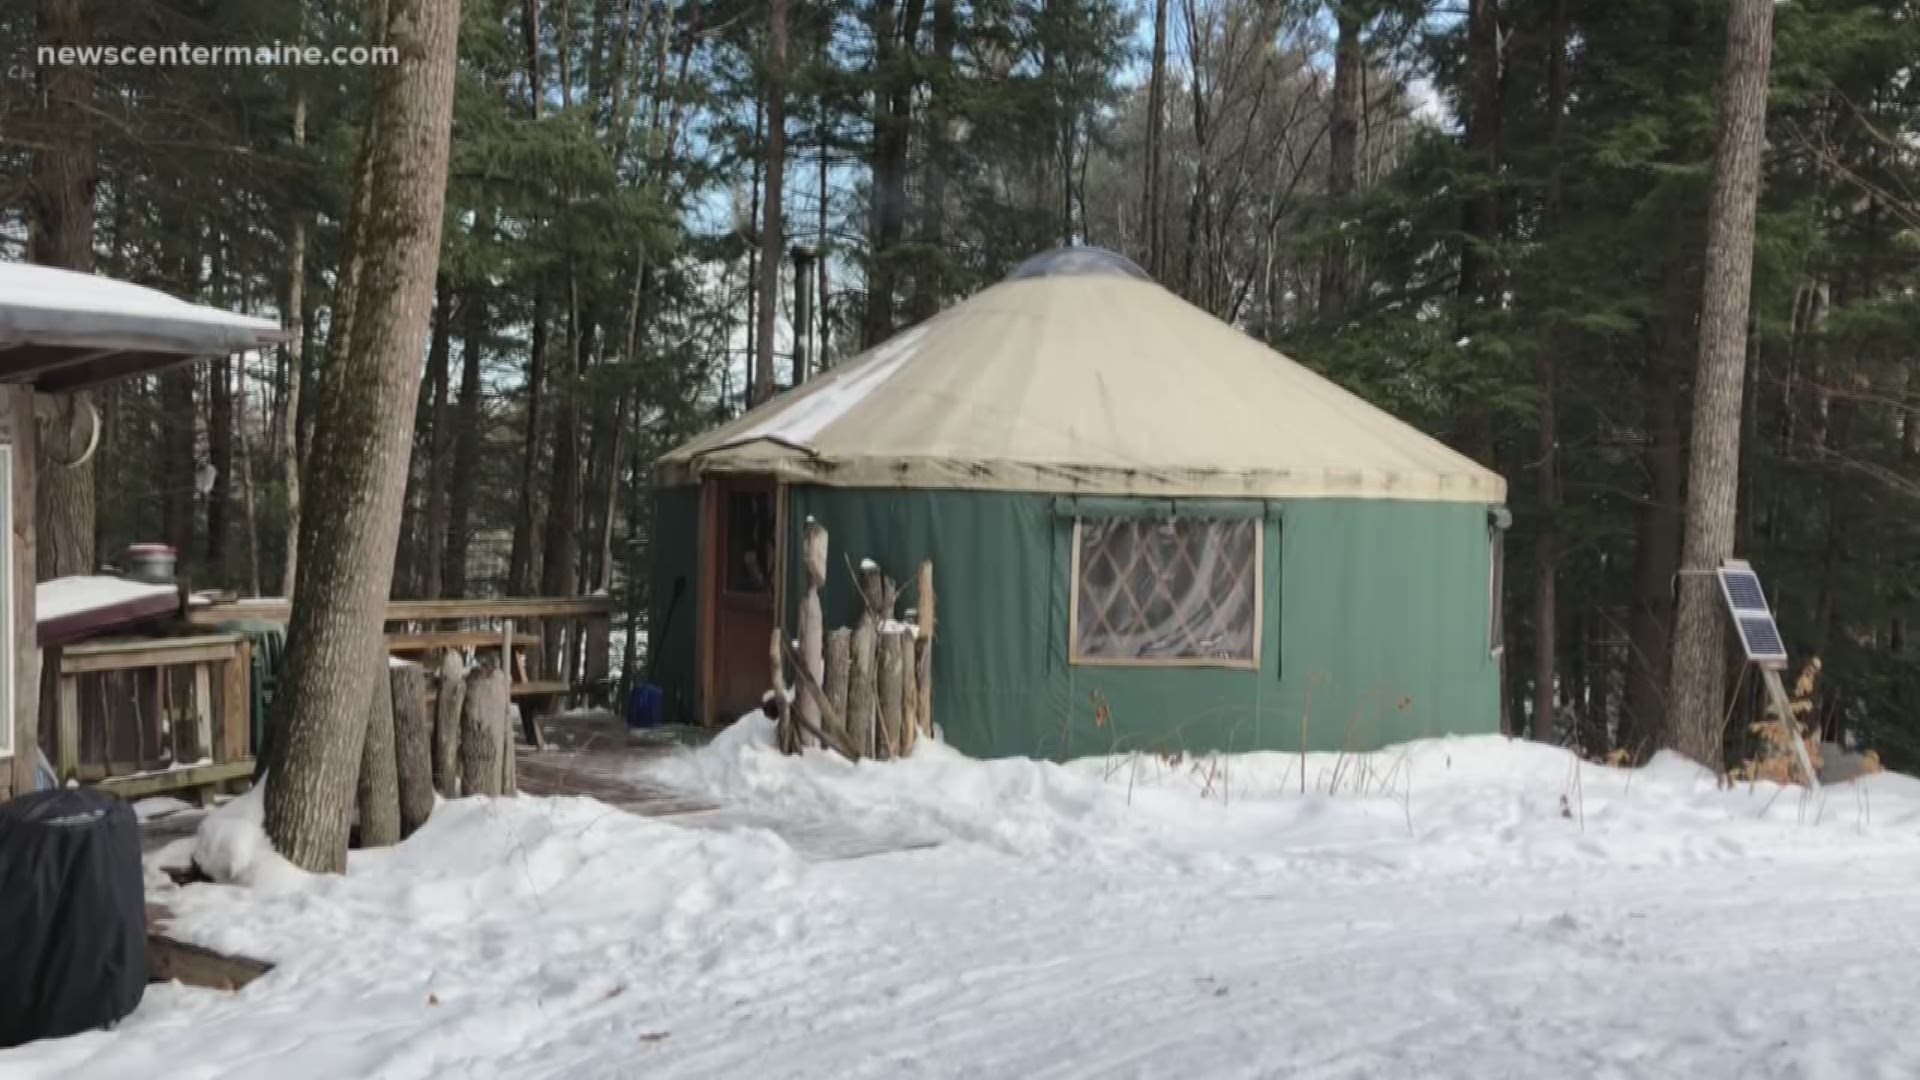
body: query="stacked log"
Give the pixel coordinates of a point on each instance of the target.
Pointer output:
(813, 559)
(412, 745)
(923, 648)
(446, 724)
(379, 787)
(486, 747)
(894, 643)
(839, 661)
(865, 691)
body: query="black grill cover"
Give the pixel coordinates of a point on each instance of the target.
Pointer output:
(73, 933)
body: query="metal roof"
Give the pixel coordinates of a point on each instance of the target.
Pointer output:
(62, 330)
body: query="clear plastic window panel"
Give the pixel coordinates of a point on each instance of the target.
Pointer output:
(1162, 590)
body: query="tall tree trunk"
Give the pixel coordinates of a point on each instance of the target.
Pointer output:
(1546, 545)
(771, 225)
(822, 359)
(466, 448)
(361, 434)
(752, 287)
(250, 500)
(1478, 290)
(610, 498)
(60, 192)
(561, 546)
(220, 459)
(176, 467)
(520, 560)
(530, 35)
(929, 285)
(1343, 140)
(439, 443)
(297, 330)
(1657, 548)
(1699, 654)
(887, 217)
(1153, 201)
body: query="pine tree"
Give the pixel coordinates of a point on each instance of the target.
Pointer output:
(1699, 654)
(357, 476)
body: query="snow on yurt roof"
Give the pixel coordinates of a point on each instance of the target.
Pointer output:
(1078, 374)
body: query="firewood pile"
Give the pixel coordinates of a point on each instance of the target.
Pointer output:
(454, 740)
(865, 691)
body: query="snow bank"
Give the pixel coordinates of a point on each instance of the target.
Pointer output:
(1433, 910)
(231, 846)
(159, 806)
(1454, 804)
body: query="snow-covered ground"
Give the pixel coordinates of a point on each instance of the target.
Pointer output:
(1456, 908)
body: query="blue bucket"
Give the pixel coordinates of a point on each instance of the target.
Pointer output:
(643, 707)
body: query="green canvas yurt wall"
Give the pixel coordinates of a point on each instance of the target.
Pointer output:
(673, 564)
(1376, 621)
(1370, 611)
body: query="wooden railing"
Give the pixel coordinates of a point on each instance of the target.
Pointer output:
(554, 648)
(143, 716)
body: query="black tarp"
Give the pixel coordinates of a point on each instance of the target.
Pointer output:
(73, 942)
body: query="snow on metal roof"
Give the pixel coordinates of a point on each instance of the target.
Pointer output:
(60, 329)
(72, 607)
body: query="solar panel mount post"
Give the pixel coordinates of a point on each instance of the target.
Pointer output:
(1752, 619)
(1760, 639)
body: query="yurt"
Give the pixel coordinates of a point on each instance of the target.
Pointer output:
(1149, 532)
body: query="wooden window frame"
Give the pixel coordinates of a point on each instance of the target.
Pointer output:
(1251, 663)
(1496, 590)
(773, 492)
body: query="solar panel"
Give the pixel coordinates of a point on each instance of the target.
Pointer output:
(1761, 638)
(1743, 589)
(1752, 619)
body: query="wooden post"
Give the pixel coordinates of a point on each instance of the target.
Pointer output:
(379, 787)
(202, 712)
(807, 686)
(236, 705)
(1777, 694)
(412, 745)
(873, 589)
(599, 646)
(509, 759)
(892, 691)
(483, 720)
(26, 651)
(909, 698)
(923, 649)
(785, 737)
(446, 724)
(863, 700)
(66, 762)
(813, 557)
(839, 659)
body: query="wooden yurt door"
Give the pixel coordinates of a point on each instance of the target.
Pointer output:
(744, 591)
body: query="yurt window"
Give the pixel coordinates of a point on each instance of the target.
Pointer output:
(749, 542)
(1174, 591)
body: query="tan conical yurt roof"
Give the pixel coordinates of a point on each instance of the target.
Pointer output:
(1078, 375)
